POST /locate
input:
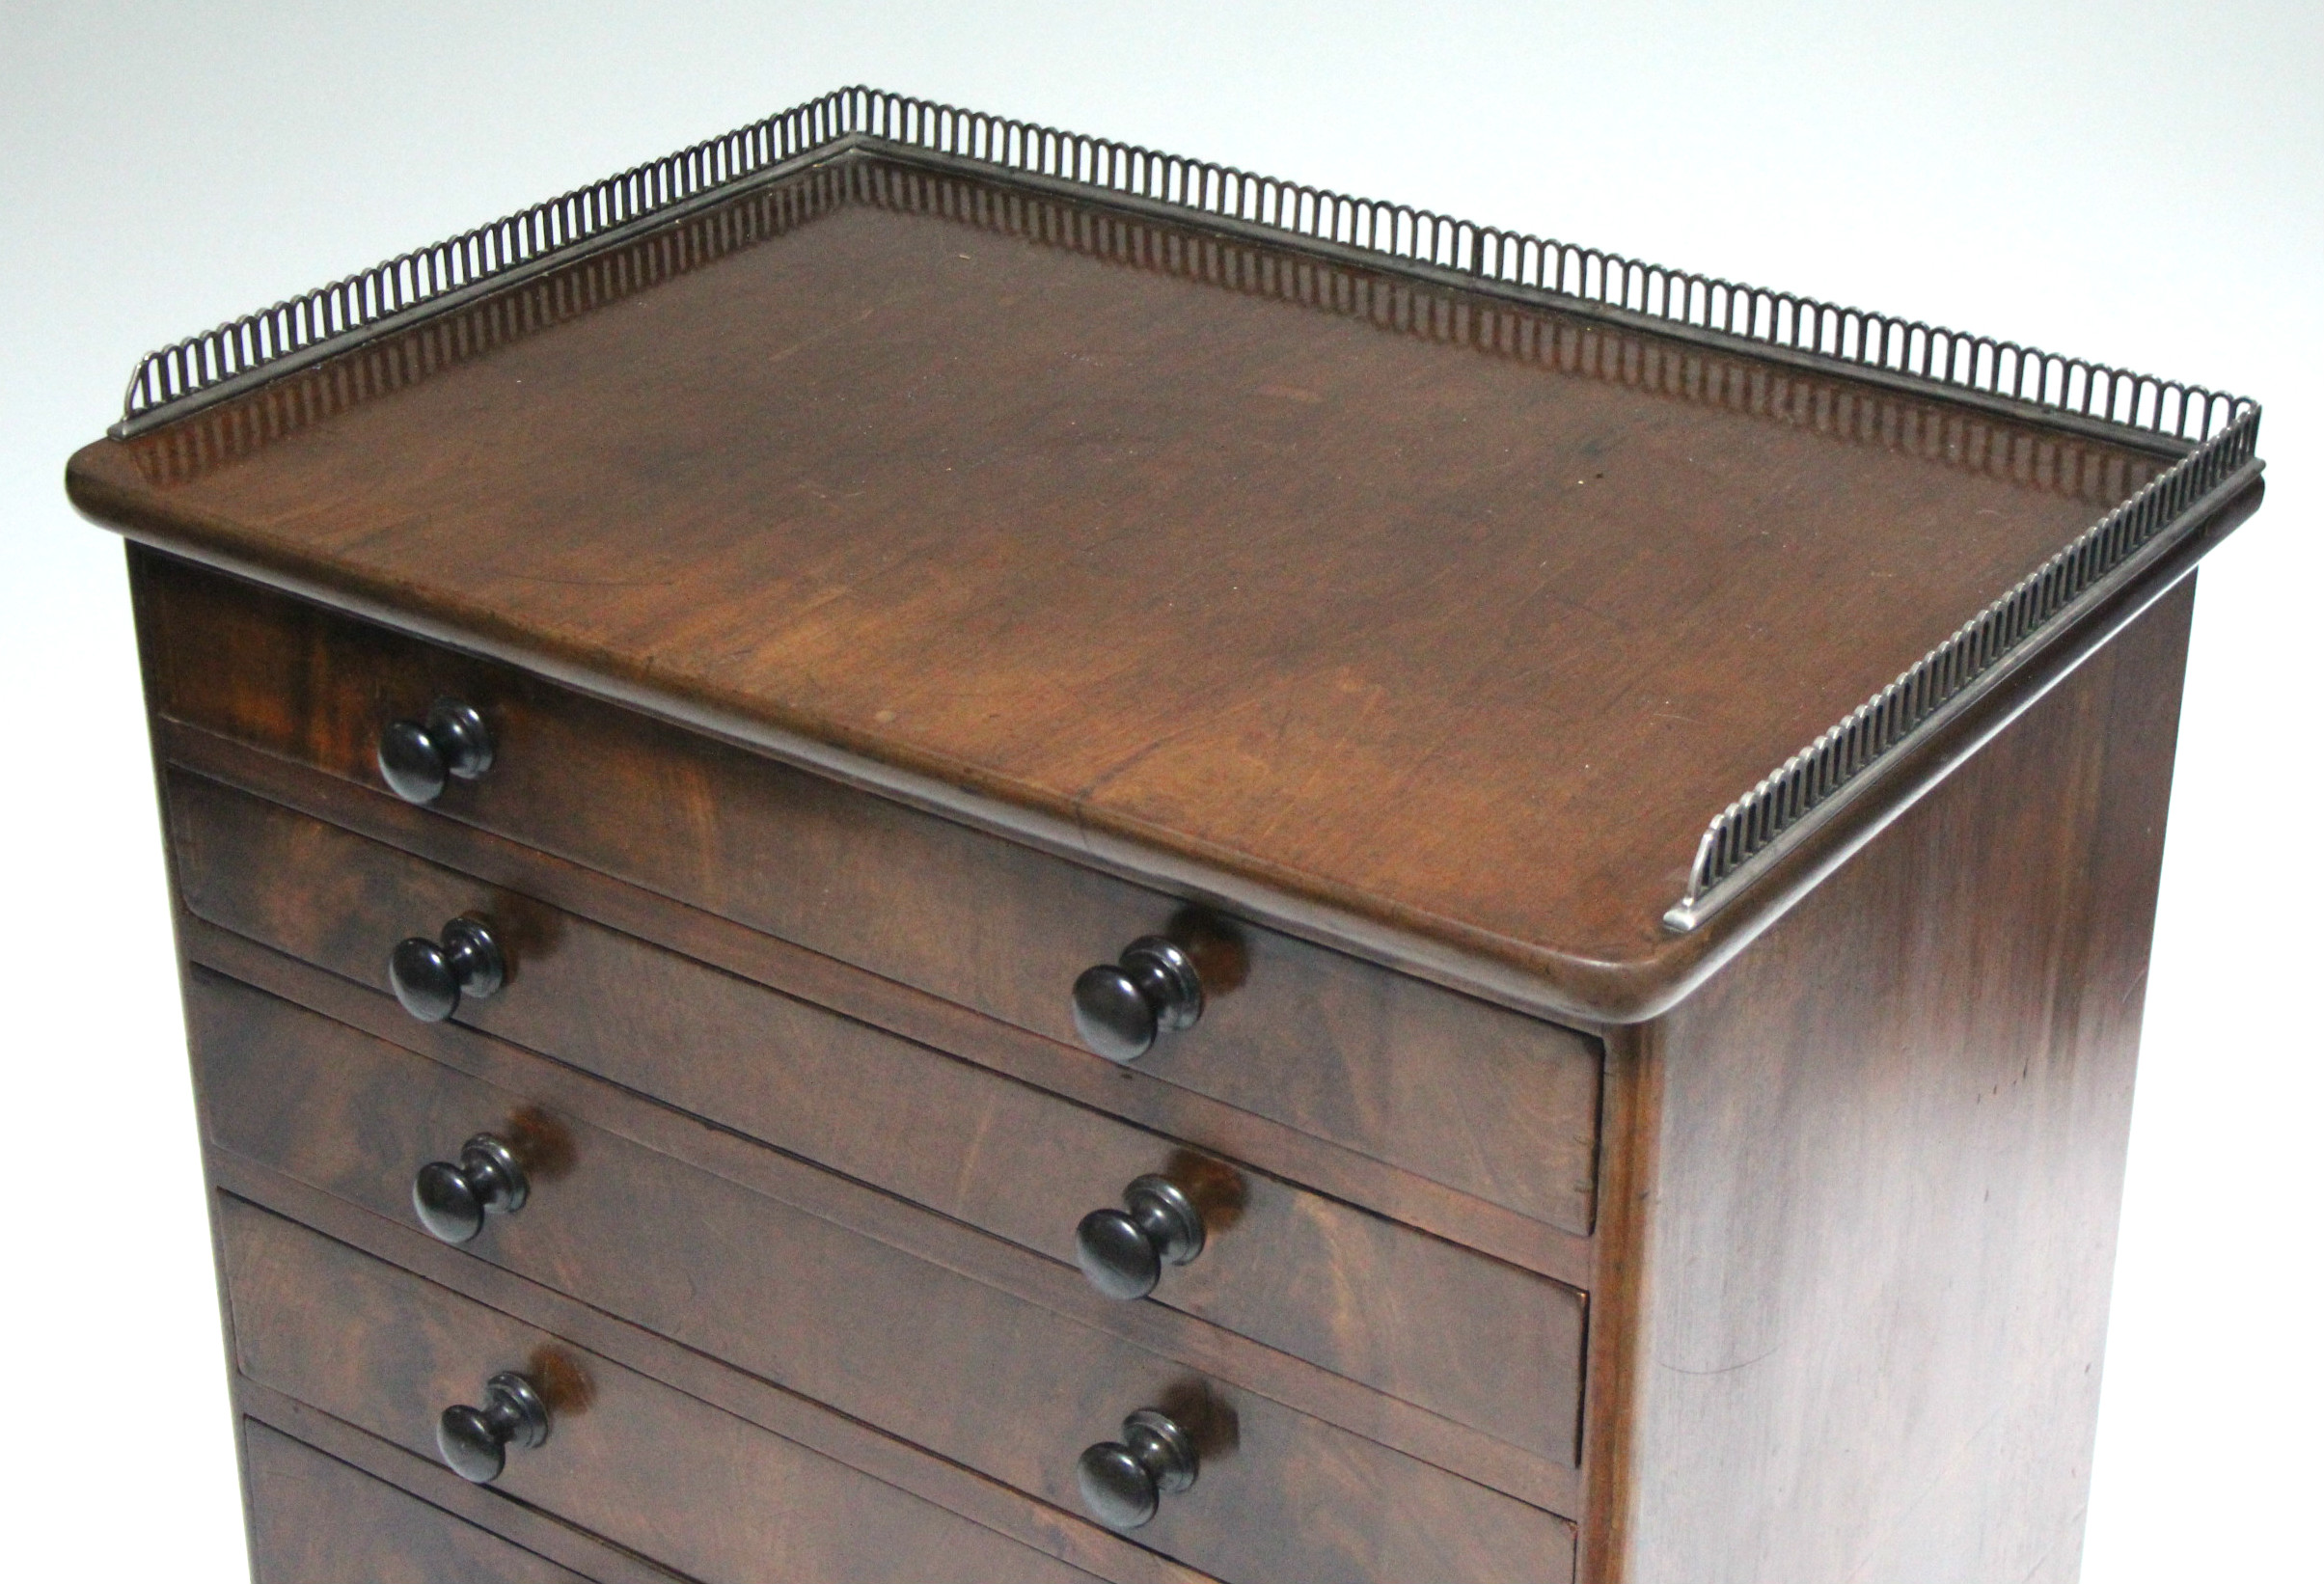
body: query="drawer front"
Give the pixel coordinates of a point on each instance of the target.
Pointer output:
(1477, 1098)
(648, 1467)
(972, 1373)
(1480, 1342)
(316, 1520)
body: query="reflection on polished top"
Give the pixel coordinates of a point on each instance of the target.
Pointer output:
(1456, 612)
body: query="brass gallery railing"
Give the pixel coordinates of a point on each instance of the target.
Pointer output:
(2217, 433)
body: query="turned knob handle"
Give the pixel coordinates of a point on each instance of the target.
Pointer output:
(474, 1441)
(430, 977)
(417, 757)
(1120, 1007)
(1123, 1482)
(453, 1200)
(1123, 1251)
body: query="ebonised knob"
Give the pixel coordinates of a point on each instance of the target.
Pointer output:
(1120, 1007)
(430, 977)
(416, 757)
(453, 1200)
(1124, 1482)
(1123, 1253)
(474, 1441)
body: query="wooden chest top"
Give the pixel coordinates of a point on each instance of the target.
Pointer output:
(1452, 612)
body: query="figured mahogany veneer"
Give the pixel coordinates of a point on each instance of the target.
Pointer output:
(387, 1352)
(1889, 1303)
(1435, 1319)
(802, 1299)
(316, 1520)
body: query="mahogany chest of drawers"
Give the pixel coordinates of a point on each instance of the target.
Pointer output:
(911, 849)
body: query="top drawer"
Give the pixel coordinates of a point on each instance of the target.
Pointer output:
(1480, 1099)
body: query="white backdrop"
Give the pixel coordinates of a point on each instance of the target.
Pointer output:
(2133, 181)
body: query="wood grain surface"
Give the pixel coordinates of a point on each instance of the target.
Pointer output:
(370, 1344)
(1887, 1173)
(556, 1089)
(960, 1367)
(785, 1414)
(316, 1520)
(755, 1280)
(1457, 614)
(1483, 1099)
(1209, 1125)
(633, 1460)
(480, 1506)
(1465, 1336)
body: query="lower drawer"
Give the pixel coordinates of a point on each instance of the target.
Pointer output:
(966, 1370)
(316, 1520)
(648, 1467)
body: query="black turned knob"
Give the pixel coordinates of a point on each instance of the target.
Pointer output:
(1124, 1482)
(416, 757)
(1120, 1007)
(430, 977)
(474, 1441)
(1123, 1254)
(453, 1200)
